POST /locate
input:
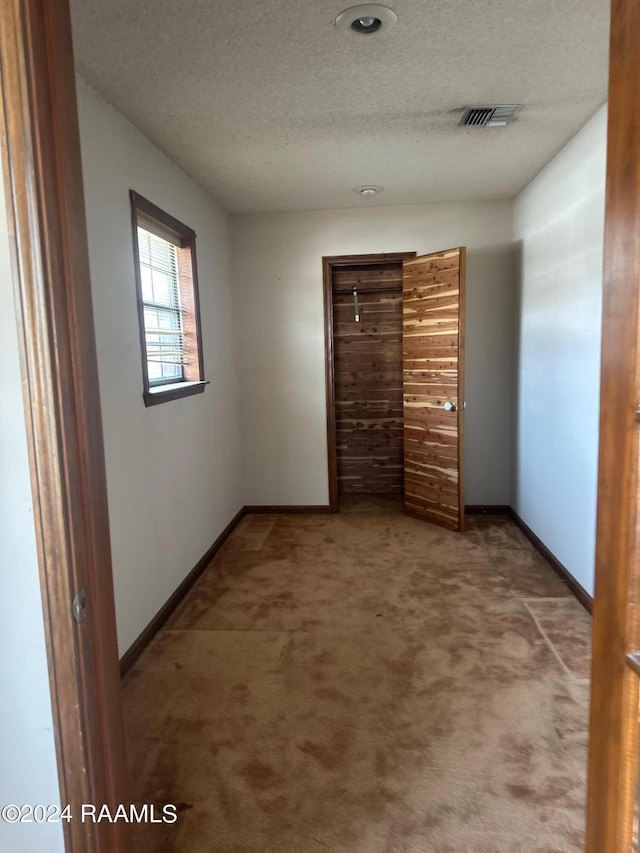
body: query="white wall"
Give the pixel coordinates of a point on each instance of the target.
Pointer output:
(28, 772)
(558, 224)
(173, 470)
(277, 272)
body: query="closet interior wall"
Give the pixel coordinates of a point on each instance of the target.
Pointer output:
(368, 378)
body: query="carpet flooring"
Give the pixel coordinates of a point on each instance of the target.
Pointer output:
(365, 683)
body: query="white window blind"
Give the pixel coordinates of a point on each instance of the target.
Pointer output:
(163, 325)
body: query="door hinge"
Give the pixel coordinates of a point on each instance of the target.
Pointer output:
(79, 605)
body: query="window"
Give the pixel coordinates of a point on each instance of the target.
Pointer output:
(167, 283)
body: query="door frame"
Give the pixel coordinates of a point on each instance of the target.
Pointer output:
(50, 266)
(329, 262)
(613, 734)
(41, 160)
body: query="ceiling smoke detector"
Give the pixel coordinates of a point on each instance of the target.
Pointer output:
(368, 191)
(490, 115)
(366, 19)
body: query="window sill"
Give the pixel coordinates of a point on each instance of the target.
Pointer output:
(174, 391)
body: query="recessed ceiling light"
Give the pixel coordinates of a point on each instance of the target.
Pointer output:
(366, 19)
(368, 190)
(366, 24)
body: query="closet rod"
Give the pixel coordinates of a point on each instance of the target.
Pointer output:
(349, 291)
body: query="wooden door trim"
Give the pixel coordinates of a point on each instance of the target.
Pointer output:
(328, 263)
(45, 202)
(613, 748)
(461, 382)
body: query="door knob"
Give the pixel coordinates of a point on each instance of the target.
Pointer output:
(449, 406)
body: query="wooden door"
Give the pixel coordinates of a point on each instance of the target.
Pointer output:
(433, 386)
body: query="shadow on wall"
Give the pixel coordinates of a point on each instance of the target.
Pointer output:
(489, 374)
(516, 355)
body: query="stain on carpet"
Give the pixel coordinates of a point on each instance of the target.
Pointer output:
(252, 532)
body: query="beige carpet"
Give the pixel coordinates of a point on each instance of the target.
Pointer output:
(366, 683)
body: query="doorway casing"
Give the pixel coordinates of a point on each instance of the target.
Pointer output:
(47, 233)
(44, 186)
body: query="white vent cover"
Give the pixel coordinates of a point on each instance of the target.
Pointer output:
(492, 115)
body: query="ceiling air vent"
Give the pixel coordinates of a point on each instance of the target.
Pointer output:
(494, 115)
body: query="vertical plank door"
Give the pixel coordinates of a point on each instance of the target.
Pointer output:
(433, 386)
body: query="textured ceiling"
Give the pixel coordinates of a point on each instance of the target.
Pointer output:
(269, 107)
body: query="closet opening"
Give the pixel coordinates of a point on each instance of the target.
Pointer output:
(394, 354)
(366, 459)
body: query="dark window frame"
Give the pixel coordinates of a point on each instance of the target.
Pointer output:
(144, 213)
